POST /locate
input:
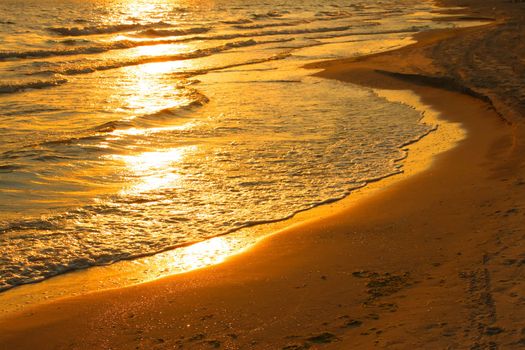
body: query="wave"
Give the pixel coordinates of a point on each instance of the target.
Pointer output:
(71, 42)
(95, 49)
(238, 21)
(108, 29)
(9, 168)
(42, 150)
(413, 29)
(26, 225)
(55, 226)
(39, 84)
(165, 58)
(334, 14)
(269, 14)
(197, 100)
(323, 16)
(6, 55)
(128, 44)
(85, 50)
(124, 44)
(160, 33)
(107, 65)
(269, 25)
(174, 32)
(193, 73)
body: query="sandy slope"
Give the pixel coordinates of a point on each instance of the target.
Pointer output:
(435, 261)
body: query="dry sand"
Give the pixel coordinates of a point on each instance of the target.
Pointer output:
(434, 261)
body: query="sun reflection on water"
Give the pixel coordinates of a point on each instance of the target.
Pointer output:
(144, 90)
(203, 254)
(139, 131)
(206, 253)
(154, 170)
(136, 9)
(146, 161)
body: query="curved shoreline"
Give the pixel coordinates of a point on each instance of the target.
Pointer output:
(123, 273)
(419, 155)
(393, 269)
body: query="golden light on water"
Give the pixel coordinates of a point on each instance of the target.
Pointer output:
(137, 9)
(162, 67)
(196, 256)
(159, 50)
(144, 162)
(206, 253)
(154, 170)
(138, 131)
(133, 9)
(151, 183)
(145, 90)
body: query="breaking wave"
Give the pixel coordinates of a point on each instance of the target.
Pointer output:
(39, 84)
(108, 29)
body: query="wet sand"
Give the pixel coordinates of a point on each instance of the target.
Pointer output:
(433, 261)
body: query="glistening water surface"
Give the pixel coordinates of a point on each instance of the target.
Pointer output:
(133, 127)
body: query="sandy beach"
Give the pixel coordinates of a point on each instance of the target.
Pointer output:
(433, 260)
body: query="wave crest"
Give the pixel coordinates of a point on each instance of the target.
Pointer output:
(107, 29)
(39, 84)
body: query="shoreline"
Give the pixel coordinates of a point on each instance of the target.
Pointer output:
(419, 156)
(355, 288)
(120, 274)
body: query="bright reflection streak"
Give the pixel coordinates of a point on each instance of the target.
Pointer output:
(158, 50)
(137, 9)
(154, 170)
(151, 183)
(210, 252)
(145, 162)
(147, 93)
(163, 67)
(140, 9)
(203, 254)
(146, 88)
(137, 131)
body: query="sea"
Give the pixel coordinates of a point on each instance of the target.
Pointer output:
(132, 127)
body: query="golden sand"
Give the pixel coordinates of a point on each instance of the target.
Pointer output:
(429, 261)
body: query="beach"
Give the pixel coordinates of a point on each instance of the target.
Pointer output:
(429, 260)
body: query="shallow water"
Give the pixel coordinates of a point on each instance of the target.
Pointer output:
(133, 127)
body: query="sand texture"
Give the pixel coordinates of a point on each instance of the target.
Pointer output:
(435, 261)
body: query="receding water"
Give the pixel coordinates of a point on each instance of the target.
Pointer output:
(132, 127)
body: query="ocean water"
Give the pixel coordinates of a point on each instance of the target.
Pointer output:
(133, 127)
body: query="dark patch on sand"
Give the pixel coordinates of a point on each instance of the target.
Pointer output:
(443, 82)
(321, 338)
(382, 285)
